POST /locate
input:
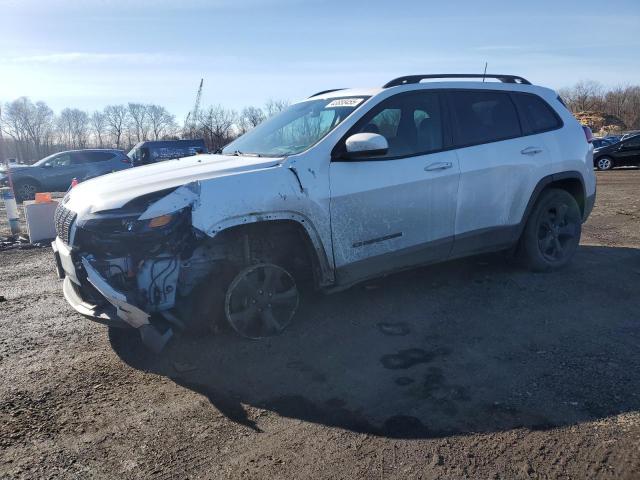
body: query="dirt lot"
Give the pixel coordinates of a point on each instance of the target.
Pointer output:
(471, 369)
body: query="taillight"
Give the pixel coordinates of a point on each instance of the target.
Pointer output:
(587, 133)
(126, 160)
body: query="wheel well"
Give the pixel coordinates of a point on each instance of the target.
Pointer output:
(574, 187)
(18, 181)
(283, 242)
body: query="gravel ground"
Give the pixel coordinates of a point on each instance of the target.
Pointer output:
(469, 369)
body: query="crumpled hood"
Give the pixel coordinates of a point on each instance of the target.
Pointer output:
(116, 189)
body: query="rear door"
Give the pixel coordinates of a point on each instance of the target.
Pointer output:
(100, 163)
(395, 210)
(499, 168)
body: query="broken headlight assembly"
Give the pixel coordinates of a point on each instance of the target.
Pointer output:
(125, 233)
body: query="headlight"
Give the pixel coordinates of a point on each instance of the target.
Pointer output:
(151, 223)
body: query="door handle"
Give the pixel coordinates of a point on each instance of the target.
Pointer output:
(531, 151)
(438, 166)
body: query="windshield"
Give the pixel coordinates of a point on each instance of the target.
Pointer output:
(134, 153)
(295, 129)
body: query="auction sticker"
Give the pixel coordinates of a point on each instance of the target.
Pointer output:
(345, 102)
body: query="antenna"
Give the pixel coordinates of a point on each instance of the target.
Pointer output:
(484, 74)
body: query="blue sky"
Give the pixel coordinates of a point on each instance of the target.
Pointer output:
(88, 53)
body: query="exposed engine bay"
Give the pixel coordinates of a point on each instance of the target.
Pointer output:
(158, 265)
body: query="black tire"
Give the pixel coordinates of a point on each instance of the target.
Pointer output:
(203, 310)
(25, 190)
(604, 163)
(552, 234)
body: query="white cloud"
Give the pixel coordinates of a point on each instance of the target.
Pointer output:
(93, 58)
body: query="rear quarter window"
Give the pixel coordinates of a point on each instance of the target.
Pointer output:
(100, 156)
(484, 117)
(538, 116)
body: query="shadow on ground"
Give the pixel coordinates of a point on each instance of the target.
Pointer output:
(468, 346)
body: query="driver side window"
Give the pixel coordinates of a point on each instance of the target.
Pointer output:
(412, 124)
(63, 160)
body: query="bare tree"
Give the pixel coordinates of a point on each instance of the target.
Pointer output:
(250, 118)
(73, 125)
(584, 96)
(116, 118)
(98, 122)
(139, 121)
(275, 106)
(216, 124)
(161, 122)
(29, 125)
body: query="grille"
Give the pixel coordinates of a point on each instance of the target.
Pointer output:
(63, 220)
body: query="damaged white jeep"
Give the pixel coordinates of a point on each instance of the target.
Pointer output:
(341, 187)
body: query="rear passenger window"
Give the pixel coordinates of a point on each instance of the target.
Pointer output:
(483, 117)
(537, 114)
(98, 156)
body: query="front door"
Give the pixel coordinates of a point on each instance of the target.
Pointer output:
(629, 152)
(396, 210)
(60, 171)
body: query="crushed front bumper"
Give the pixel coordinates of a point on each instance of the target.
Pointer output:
(115, 310)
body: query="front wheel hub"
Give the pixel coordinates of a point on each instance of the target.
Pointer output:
(261, 301)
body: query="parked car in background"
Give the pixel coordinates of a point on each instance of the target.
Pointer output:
(621, 154)
(55, 172)
(148, 152)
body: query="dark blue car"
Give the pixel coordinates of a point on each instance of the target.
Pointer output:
(55, 172)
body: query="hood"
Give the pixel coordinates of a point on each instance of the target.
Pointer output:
(114, 190)
(14, 167)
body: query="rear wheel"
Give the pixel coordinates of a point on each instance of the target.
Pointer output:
(604, 163)
(552, 234)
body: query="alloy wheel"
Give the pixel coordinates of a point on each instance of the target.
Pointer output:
(26, 191)
(557, 232)
(604, 163)
(261, 301)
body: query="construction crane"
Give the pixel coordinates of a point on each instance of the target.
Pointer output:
(191, 122)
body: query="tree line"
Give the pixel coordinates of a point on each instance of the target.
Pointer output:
(32, 131)
(605, 110)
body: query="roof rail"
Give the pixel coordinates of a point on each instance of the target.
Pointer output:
(417, 78)
(325, 91)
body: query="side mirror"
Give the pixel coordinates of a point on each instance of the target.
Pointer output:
(363, 145)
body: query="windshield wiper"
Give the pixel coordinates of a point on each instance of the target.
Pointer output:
(238, 153)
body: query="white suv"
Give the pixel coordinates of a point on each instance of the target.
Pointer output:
(343, 186)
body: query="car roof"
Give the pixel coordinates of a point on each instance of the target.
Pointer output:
(455, 84)
(92, 150)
